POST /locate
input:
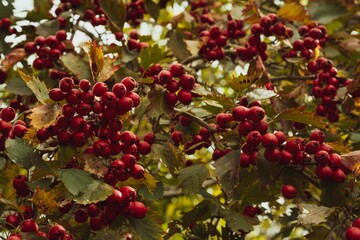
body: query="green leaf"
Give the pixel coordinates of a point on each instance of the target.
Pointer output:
(332, 194)
(6, 11)
(205, 209)
(313, 215)
(95, 192)
(75, 180)
(108, 233)
(178, 46)
(66, 153)
(227, 171)
(38, 87)
(152, 8)
(260, 94)
(147, 228)
(236, 221)
(151, 55)
(48, 28)
(41, 10)
(76, 65)
(17, 86)
(325, 11)
(115, 10)
(298, 115)
(191, 178)
(20, 152)
(170, 155)
(158, 104)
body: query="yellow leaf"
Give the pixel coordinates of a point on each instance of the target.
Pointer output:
(193, 46)
(38, 87)
(45, 201)
(30, 136)
(7, 174)
(294, 12)
(149, 181)
(351, 161)
(242, 82)
(44, 115)
(357, 102)
(93, 164)
(108, 70)
(251, 12)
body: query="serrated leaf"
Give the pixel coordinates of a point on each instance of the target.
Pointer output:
(17, 86)
(339, 147)
(76, 65)
(260, 94)
(48, 28)
(220, 98)
(12, 58)
(299, 115)
(115, 10)
(193, 46)
(294, 12)
(147, 228)
(44, 115)
(152, 8)
(242, 82)
(20, 152)
(191, 178)
(75, 180)
(151, 55)
(94, 192)
(38, 87)
(178, 46)
(109, 69)
(93, 164)
(351, 161)
(203, 210)
(148, 180)
(45, 201)
(236, 221)
(9, 203)
(313, 215)
(66, 153)
(158, 104)
(170, 155)
(227, 171)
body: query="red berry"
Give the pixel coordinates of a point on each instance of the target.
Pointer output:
(269, 140)
(356, 223)
(281, 137)
(137, 171)
(338, 175)
(128, 193)
(61, 35)
(177, 70)
(255, 114)
(29, 225)
(56, 94)
(253, 138)
(288, 191)
(99, 89)
(80, 216)
(128, 138)
(321, 157)
(7, 114)
(115, 200)
(119, 89)
(129, 83)
(185, 97)
(95, 223)
(12, 221)
(139, 210)
(352, 233)
(85, 85)
(56, 232)
(223, 119)
(187, 81)
(324, 172)
(240, 113)
(150, 138)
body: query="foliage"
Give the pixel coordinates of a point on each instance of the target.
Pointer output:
(188, 119)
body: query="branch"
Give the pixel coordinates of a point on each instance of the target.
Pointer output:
(312, 77)
(198, 57)
(197, 120)
(307, 176)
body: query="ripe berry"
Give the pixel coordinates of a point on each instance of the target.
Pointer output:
(185, 97)
(177, 136)
(269, 140)
(56, 94)
(28, 212)
(95, 223)
(139, 210)
(245, 160)
(144, 148)
(80, 216)
(253, 138)
(128, 138)
(324, 172)
(285, 157)
(119, 89)
(137, 171)
(281, 137)
(99, 89)
(177, 70)
(338, 175)
(288, 191)
(150, 138)
(255, 114)
(129, 83)
(38, 64)
(312, 147)
(321, 157)
(240, 113)
(115, 200)
(245, 127)
(7, 114)
(30, 47)
(56, 232)
(85, 85)
(187, 81)
(164, 77)
(29, 225)
(352, 233)
(223, 119)
(356, 223)
(272, 154)
(128, 193)
(12, 221)
(19, 130)
(19, 182)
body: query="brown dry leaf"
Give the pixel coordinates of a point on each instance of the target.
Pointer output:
(294, 12)
(251, 12)
(351, 161)
(102, 68)
(45, 201)
(44, 115)
(193, 46)
(12, 58)
(30, 136)
(93, 164)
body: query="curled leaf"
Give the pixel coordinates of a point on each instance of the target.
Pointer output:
(351, 161)
(44, 115)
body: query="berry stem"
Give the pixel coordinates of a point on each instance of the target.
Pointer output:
(305, 175)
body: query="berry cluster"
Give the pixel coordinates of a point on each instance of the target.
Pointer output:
(133, 41)
(313, 36)
(199, 140)
(214, 41)
(201, 12)
(122, 202)
(93, 111)
(353, 232)
(269, 25)
(135, 11)
(7, 130)
(47, 49)
(325, 87)
(177, 90)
